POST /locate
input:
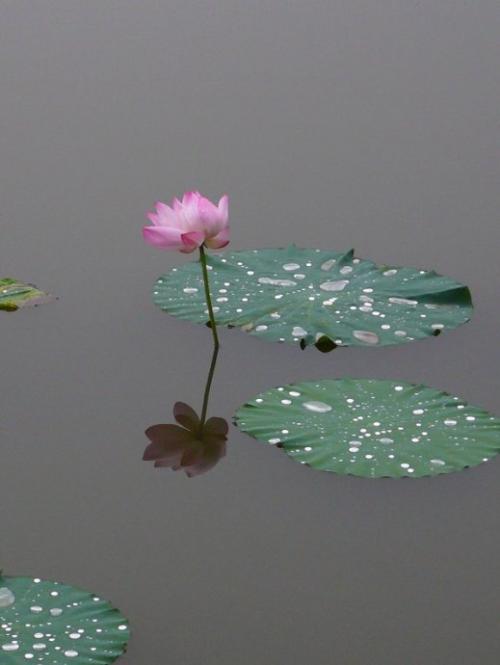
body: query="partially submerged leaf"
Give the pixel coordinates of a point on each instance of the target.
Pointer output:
(54, 624)
(372, 428)
(15, 294)
(311, 296)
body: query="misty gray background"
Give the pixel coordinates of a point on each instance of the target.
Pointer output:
(330, 123)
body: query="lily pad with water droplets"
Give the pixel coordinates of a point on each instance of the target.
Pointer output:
(48, 623)
(310, 296)
(15, 294)
(372, 428)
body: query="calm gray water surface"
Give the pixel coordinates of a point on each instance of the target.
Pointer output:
(330, 124)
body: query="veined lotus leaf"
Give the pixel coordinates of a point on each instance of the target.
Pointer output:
(311, 296)
(372, 428)
(53, 624)
(15, 294)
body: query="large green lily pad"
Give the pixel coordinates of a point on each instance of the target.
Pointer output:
(372, 428)
(55, 624)
(310, 296)
(15, 294)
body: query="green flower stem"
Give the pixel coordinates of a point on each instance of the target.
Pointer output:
(208, 386)
(213, 326)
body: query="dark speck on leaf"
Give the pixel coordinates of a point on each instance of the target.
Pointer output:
(325, 344)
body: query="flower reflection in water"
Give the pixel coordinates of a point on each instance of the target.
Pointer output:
(191, 446)
(195, 445)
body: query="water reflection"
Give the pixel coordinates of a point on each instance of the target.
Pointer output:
(194, 445)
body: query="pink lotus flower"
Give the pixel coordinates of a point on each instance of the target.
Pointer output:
(188, 224)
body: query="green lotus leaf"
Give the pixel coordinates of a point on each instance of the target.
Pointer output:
(15, 294)
(310, 296)
(371, 428)
(54, 624)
